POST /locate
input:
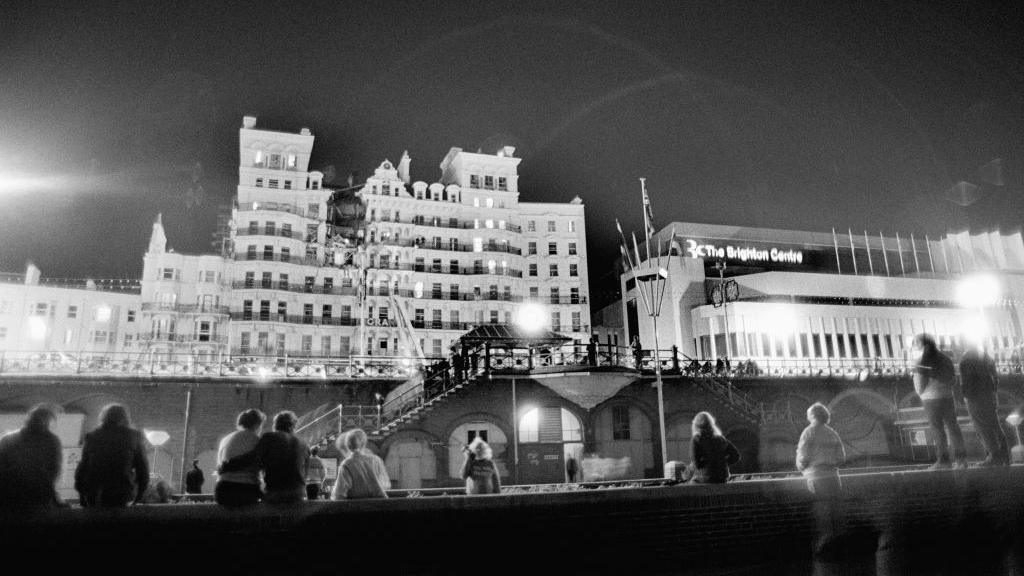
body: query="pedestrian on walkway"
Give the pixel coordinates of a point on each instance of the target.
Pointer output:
(712, 453)
(979, 381)
(316, 473)
(113, 471)
(933, 381)
(479, 471)
(194, 479)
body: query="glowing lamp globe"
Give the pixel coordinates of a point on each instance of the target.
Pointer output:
(978, 290)
(531, 317)
(157, 437)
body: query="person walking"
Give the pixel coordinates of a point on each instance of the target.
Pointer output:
(240, 487)
(637, 352)
(316, 473)
(479, 471)
(592, 351)
(979, 381)
(362, 474)
(282, 457)
(113, 471)
(712, 453)
(30, 464)
(933, 382)
(194, 479)
(571, 468)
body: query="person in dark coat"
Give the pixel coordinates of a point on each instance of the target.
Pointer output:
(638, 353)
(712, 453)
(282, 457)
(30, 464)
(194, 479)
(113, 471)
(979, 381)
(592, 351)
(571, 468)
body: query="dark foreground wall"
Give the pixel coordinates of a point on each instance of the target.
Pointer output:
(966, 522)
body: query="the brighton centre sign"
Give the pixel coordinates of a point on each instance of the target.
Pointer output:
(744, 253)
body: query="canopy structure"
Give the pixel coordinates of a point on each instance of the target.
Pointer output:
(511, 336)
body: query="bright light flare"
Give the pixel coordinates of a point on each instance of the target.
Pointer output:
(15, 183)
(36, 328)
(779, 320)
(532, 317)
(978, 291)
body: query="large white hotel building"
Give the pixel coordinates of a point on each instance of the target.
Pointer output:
(391, 268)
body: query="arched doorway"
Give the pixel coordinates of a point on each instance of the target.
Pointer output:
(749, 447)
(624, 442)
(548, 437)
(411, 461)
(865, 421)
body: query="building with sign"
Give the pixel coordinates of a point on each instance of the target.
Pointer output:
(802, 299)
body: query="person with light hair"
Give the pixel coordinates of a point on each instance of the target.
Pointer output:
(712, 453)
(282, 457)
(479, 471)
(362, 474)
(820, 452)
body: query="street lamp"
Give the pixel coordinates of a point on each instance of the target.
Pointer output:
(531, 318)
(157, 438)
(978, 291)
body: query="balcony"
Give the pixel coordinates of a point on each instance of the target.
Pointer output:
(184, 308)
(446, 247)
(459, 224)
(459, 296)
(459, 270)
(277, 207)
(295, 319)
(294, 287)
(276, 257)
(280, 232)
(567, 300)
(441, 325)
(171, 337)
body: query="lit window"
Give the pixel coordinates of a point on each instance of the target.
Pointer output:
(291, 160)
(478, 244)
(259, 158)
(101, 313)
(492, 266)
(489, 223)
(476, 202)
(490, 201)
(531, 226)
(572, 226)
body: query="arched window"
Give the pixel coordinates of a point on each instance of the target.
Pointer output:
(550, 425)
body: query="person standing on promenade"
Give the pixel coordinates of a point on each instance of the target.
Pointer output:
(712, 453)
(30, 464)
(820, 452)
(194, 479)
(362, 474)
(316, 473)
(113, 471)
(933, 381)
(282, 457)
(979, 382)
(479, 471)
(240, 487)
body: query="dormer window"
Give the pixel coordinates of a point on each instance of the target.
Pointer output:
(489, 182)
(258, 160)
(502, 183)
(291, 161)
(474, 181)
(315, 184)
(274, 161)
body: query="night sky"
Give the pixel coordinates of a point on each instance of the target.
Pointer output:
(786, 114)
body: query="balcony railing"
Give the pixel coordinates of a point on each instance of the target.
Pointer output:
(567, 300)
(263, 231)
(294, 287)
(277, 257)
(460, 270)
(447, 247)
(446, 295)
(277, 207)
(459, 224)
(184, 308)
(173, 337)
(295, 319)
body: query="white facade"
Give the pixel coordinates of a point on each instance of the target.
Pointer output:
(800, 297)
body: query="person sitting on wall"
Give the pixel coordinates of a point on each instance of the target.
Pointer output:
(693, 368)
(719, 367)
(706, 368)
(712, 453)
(30, 464)
(478, 470)
(114, 470)
(362, 474)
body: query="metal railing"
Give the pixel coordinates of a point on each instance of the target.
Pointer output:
(340, 290)
(295, 319)
(277, 207)
(264, 231)
(184, 308)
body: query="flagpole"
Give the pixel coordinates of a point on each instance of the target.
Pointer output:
(647, 225)
(885, 257)
(867, 244)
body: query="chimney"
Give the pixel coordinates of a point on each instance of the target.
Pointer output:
(305, 132)
(507, 152)
(32, 274)
(90, 284)
(249, 122)
(158, 240)
(403, 167)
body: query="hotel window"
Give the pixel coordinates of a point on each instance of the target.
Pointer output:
(315, 184)
(474, 182)
(552, 248)
(307, 313)
(534, 292)
(436, 242)
(435, 291)
(268, 252)
(272, 183)
(478, 266)
(264, 310)
(533, 270)
(344, 344)
(258, 158)
(478, 244)
(493, 292)
(437, 347)
(329, 284)
(250, 253)
(435, 265)
(453, 318)
(259, 182)
(325, 345)
(502, 183)
(244, 344)
(274, 161)
(551, 226)
(382, 314)
(476, 202)
(494, 316)
(553, 270)
(418, 316)
(311, 252)
(282, 282)
(574, 270)
(435, 319)
(506, 294)
(326, 311)
(554, 295)
(572, 225)
(307, 344)
(168, 273)
(572, 248)
(453, 266)
(204, 331)
(131, 315)
(254, 227)
(490, 201)
(620, 423)
(287, 184)
(72, 311)
(250, 279)
(346, 313)
(556, 321)
(574, 295)
(492, 267)
(282, 310)
(313, 209)
(247, 310)
(286, 254)
(488, 223)
(453, 291)
(576, 324)
(266, 280)
(489, 184)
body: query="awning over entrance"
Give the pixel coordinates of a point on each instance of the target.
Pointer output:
(511, 336)
(588, 390)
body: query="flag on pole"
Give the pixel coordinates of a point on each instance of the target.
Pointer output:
(648, 213)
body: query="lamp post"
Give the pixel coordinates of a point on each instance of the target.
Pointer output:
(530, 318)
(157, 438)
(651, 283)
(721, 266)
